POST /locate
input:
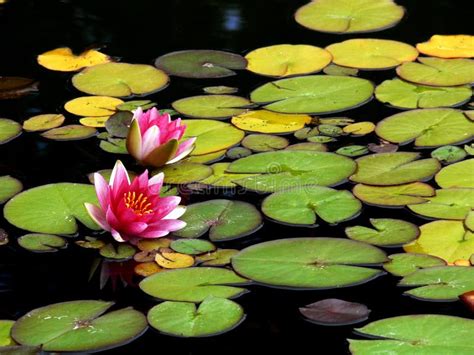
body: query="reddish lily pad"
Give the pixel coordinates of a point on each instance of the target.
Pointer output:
(334, 312)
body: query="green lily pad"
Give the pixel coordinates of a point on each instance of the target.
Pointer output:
(220, 257)
(394, 168)
(9, 130)
(404, 264)
(313, 147)
(114, 145)
(286, 168)
(264, 142)
(303, 205)
(120, 79)
(206, 158)
(52, 209)
(449, 154)
(5, 328)
(201, 64)
(453, 203)
(238, 152)
(371, 53)
(221, 178)
(69, 326)
(438, 72)
(334, 69)
(353, 150)
(321, 139)
(427, 127)
(448, 240)
(316, 94)
(119, 123)
(43, 122)
(224, 219)
(439, 283)
(9, 187)
(393, 196)
(117, 252)
(211, 136)
(194, 284)
(421, 334)
(70, 133)
(134, 104)
(306, 132)
(386, 232)
(220, 90)
(356, 16)
(42, 242)
(457, 175)
(399, 93)
(309, 263)
(192, 246)
(330, 130)
(218, 107)
(185, 173)
(214, 316)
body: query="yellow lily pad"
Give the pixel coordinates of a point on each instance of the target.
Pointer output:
(97, 122)
(450, 46)
(264, 121)
(359, 128)
(147, 269)
(153, 244)
(172, 260)
(43, 122)
(63, 59)
(287, 59)
(93, 106)
(370, 53)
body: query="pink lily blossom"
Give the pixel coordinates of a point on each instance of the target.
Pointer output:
(153, 138)
(133, 210)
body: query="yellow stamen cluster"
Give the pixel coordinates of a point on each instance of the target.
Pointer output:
(138, 203)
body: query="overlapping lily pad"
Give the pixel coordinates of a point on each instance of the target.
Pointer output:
(286, 168)
(63, 59)
(9, 130)
(457, 175)
(201, 64)
(386, 232)
(333, 311)
(42, 242)
(316, 94)
(303, 205)
(416, 334)
(448, 46)
(438, 72)
(221, 178)
(51, 209)
(440, 283)
(384, 169)
(120, 79)
(404, 264)
(69, 326)
(339, 16)
(194, 284)
(192, 246)
(216, 107)
(370, 53)
(9, 187)
(70, 133)
(286, 60)
(224, 219)
(309, 263)
(449, 154)
(406, 95)
(264, 142)
(185, 172)
(394, 196)
(43, 122)
(183, 319)
(427, 127)
(264, 121)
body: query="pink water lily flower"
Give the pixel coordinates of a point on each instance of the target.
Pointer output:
(133, 210)
(153, 138)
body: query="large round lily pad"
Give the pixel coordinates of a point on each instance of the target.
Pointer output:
(9, 130)
(287, 168)
(194, 284)
(369, 53)
(457, 175)
(52, 209)
(286, 60)
(264, 121)
(79, 326)
(220, 178)
(120, 79)
(421, 334)
(224, 219)
(393, 196)
(9, 187)
(427, 127)
(406, 95)
(448, 240)
(211, 136)
(355, 16)
(200, 64)
(440, 283)
(183, 319)
(384, 169)
(438, 72)
(316, 94)
(303, 205)
(211, 106)
(453, 203)
(404, 264)
(309, 263)
(386, 232)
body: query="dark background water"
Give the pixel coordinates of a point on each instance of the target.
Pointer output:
(139, 31)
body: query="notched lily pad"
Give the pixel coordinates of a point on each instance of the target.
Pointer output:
(404, 264)
(192, 246)
(394, 196)
(42, 243)
(117, 252)
(335, 312)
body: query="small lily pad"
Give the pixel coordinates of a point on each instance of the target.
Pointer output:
(311, 146)
(168, 259)
(13, 87)
(214, 316)
(114, 145)
(5, 328)
(264, 142)
(394, 196)
(448, 46)
(386, 232)
(264, 121)
(194, 284)
(118, 124)
(335, 312)
(185, 173)
(220, 90)
(43, 122)
(70, 133)
(117, 252)
(457, 175)
(330, 130)
(220, 257)
(42, 242)
(9, 187)
(359, 128)
(192, 246)
(224, 219)
(404, 264)
(353, 150)
(238, 152)
(93, 106)
(334, 69)
(64, 60)
(217, 107)
(449, 154)
(9, 130)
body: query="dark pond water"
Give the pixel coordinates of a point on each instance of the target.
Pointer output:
(139, 31)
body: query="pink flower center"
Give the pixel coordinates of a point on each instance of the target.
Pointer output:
(137, 203)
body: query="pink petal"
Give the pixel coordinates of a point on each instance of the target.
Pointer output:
(102, 190)
(151, 140)
(176, 213)
(97, 215)
(117, 236)
(134, 229)
(168, 225)
(112, 220)
(154, 233)
(165, 205)
(119, 176)
(155, 183)
(183, 150)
